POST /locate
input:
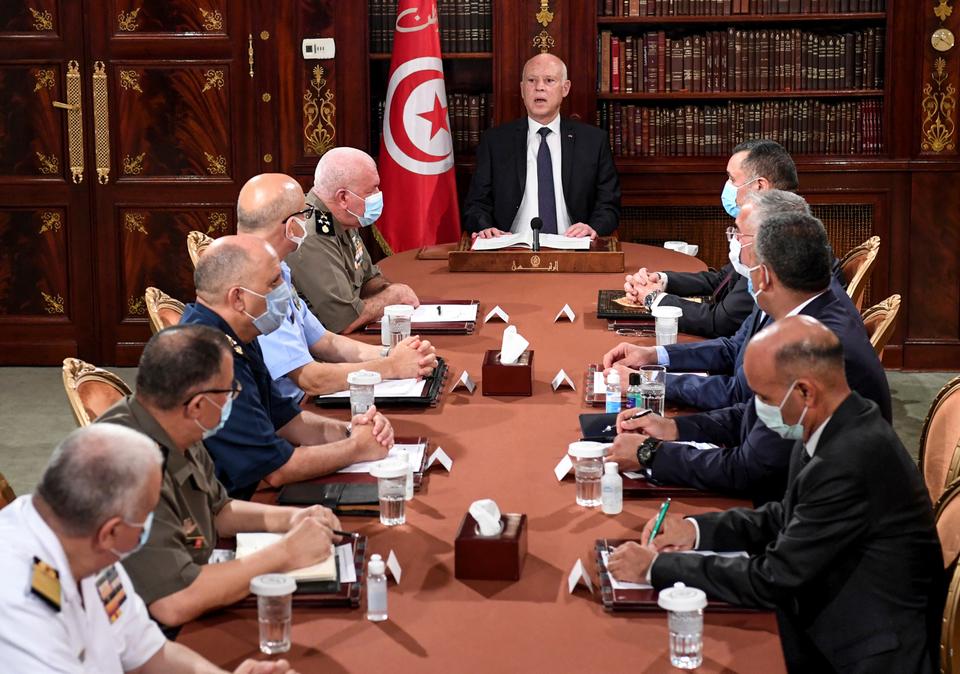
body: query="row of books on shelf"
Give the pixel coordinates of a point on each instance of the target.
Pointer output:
(469, 114)
(726, 7)
(740, 60)
(802, 126)
(465, 25)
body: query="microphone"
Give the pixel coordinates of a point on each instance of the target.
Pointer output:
(536, 224)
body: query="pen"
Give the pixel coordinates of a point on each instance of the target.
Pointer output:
(438, 310)
(656, 525)
(347, 534)
(630, 418)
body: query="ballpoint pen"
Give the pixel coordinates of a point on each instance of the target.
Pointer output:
(630, 418)
(347, 534)
(656, 525)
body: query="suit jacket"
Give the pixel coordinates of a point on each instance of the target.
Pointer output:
(724, 356)
(752, 460)
(592, 192)
(723, 315)
(849, 558)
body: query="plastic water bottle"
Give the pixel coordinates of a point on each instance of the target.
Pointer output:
(611, 489)
(613, 392)
(633, 391)
(376, 589)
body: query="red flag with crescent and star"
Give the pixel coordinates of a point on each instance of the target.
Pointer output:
(416, 153)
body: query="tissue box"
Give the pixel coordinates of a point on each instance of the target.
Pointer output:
(498, 379)
(499, 557)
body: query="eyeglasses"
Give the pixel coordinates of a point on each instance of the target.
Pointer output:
(734, 233)
(307, 213)
(234, 392)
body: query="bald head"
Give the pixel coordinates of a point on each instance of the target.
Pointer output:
(96, 473)
(793, 348)
(231, 261)
(340, 167)
(266, 201)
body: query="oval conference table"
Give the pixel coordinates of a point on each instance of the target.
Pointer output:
(503, 448)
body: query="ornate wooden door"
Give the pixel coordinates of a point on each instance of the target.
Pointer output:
(46, 303)
(173, 140)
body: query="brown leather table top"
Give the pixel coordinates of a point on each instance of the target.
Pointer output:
(505, 449)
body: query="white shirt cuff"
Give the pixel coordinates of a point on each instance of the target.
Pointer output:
(663, 358)
(663, 280)
(696, 526)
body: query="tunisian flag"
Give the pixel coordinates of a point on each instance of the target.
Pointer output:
(416, 155)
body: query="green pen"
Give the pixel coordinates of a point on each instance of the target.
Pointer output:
(656, 525)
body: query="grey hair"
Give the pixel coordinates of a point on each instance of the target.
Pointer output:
(338, 168)
(771, 202)
(267, 215)
(220, 268)
(96, 473)
(796, 248)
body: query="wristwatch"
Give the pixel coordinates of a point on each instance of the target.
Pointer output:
(385, 351)
(650, 298)
(647, 451)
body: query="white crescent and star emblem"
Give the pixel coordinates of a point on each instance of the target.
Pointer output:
(416, 130)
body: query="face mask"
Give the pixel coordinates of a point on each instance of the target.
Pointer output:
(734, 255)
(749, 271)
(772, 417)
(144, 536)
(224, 415)
(728, 197)
(298, 239)
(372, 208)
(278, 305)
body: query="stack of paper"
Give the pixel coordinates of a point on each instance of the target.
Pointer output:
(449, 313)
(392, 388)
(247, 544)
(415, 452)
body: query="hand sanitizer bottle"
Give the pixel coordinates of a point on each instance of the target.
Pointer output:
(613, 392)
(376, 589)
(611, 489)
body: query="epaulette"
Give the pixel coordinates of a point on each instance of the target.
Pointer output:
(45, 583)
(323, 224)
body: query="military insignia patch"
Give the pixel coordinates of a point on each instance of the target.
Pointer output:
(110, 588)
(323, 223)
(45, 583)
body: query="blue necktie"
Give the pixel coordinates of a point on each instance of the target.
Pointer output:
(546, 197)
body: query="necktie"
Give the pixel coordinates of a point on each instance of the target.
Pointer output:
(546, 197)
(723, 284)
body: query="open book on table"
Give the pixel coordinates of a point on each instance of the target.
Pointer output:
(525, 240)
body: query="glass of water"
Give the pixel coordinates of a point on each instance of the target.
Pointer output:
(685, 622)
(667, 319)
(400, 317)
(588, 470)
(362, 383)
(391, 489)
(653, 388)
(274, 593)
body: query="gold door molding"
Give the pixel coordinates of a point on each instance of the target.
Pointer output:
(319, 113)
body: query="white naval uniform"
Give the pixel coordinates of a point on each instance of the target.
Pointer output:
(37, 639)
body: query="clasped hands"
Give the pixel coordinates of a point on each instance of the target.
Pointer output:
(414, 358)
(641, 284)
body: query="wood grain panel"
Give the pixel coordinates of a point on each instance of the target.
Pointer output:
(174, 122)
(154, 245)
(32, 17)
(174, 17)
(31, 142)
(33, 263)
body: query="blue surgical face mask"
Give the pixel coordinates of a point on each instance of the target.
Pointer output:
(224, 415)
(278, 306)
(372, 208)
(144, 536)
(734, 256)
(772, 417)
(728, 197)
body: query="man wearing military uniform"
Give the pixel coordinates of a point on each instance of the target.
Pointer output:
(302, 356)
(66, 603)
(333, 269)
(240, 291)
(185, 388)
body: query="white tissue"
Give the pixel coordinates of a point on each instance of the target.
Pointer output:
(513, 345)
(487, 514)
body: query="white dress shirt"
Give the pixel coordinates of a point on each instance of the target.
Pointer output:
(529, 205)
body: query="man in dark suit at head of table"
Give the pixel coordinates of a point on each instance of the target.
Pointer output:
(754, 166)
(849, 558)
(544, 166)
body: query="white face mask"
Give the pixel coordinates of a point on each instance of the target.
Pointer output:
(734, 256)
(302, 224)
(772, 417)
